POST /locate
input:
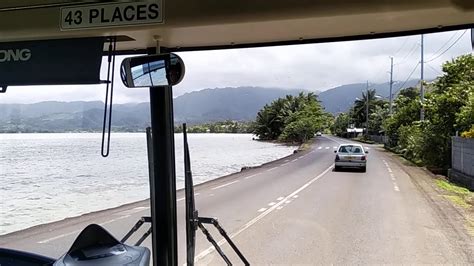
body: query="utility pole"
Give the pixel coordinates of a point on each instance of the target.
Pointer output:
(422, 92)
(367, 109)
(391, 83)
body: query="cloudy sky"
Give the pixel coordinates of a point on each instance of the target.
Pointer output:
(311, 66)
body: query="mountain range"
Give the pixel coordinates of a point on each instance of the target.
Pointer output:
(208, 105)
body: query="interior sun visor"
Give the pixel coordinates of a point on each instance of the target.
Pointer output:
(51, 62)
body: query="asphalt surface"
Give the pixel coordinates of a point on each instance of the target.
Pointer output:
(296, 210)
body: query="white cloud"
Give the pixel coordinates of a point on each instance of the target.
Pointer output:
(310, 66)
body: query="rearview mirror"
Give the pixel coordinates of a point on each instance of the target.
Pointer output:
(335, 151)
(366, 151)
(152, 70)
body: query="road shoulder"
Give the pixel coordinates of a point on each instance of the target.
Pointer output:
(455, 218)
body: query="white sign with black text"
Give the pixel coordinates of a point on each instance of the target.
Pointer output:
(112, 15)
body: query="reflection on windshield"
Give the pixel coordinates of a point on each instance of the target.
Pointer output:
(151, 74)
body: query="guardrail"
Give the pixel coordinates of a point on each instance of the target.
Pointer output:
(462, 162)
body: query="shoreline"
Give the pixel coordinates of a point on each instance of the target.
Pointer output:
(179, 192)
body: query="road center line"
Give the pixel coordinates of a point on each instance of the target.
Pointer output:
(295, 160)
(225, 185)
(263, 214)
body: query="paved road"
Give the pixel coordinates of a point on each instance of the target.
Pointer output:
(295, 210)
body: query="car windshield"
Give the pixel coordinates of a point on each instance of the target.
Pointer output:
(351, 149)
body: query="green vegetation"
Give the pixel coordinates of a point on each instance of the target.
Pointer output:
(292, 119)
(448, 110)
(227, 126)
(456, 194)
(378, 111)
(356, 116)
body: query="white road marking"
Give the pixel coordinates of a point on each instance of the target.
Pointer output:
(287, 160)
(389, 170)
(283, 164)
(295, 160)
(262, 215)
(77, 231)
(197, 194)
(180, 199)
(250, 176)
(295, 196)
(262, 209)
(132, 211)
(225, 185)
(279, 207)
(334, 147)
(141, 208)
(280, 198)
(273, 168)
(327, 148)
(395, 186)
(288, 201)
(320, 147)
(271, 203)
(114, 220)
(58, 237)
(211, 195)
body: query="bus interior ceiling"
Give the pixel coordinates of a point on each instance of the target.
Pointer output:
(208, 24)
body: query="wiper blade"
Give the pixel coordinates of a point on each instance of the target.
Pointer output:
(193, 221)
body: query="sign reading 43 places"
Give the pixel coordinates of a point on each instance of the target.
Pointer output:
(113, 14)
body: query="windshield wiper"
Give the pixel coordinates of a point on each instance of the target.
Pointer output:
(193, 221)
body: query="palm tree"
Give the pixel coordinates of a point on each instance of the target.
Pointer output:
(359, 110)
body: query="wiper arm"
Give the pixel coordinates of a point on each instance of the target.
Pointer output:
(193, 221)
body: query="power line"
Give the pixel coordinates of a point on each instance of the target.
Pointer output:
(409, 76)
(406, 58)
(438, 56)
(434, 69)
(446, 43)
(403, 45)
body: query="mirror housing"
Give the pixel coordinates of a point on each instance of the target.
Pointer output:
(152, 70)
(366, 151)
(335, 151)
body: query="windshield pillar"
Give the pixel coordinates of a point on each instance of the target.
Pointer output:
(163, 178)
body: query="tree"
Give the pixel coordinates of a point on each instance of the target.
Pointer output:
(341, 124)
(407, 108)
(448, 109)
(292, 118)
(358, 112)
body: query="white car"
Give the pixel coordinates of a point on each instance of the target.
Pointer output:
(351, 155)
(319, 134)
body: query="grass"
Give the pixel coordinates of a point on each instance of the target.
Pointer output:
(305, 146)
(461, 197)
(453, 188)
(458, 195)
(458, 201)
